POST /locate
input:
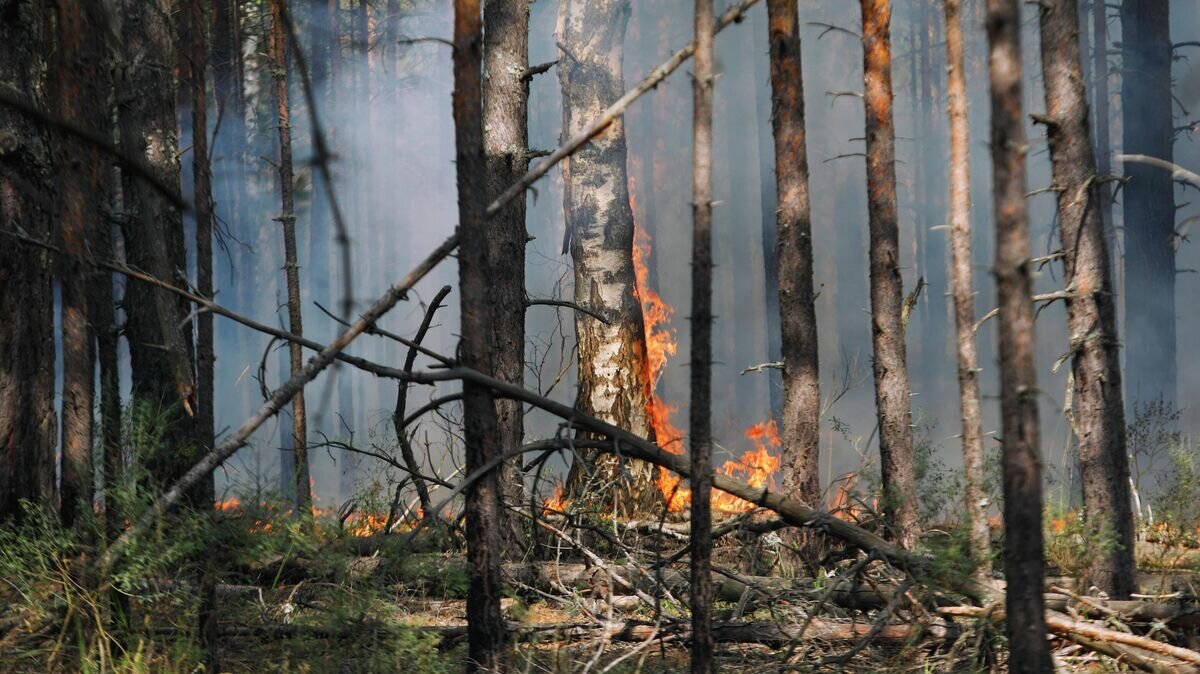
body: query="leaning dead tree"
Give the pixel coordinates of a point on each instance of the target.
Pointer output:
(700, 410)
(962, 289)
(887, 287)
(480, 433)
(1097, 411)
(797, 300)
(1023, 552)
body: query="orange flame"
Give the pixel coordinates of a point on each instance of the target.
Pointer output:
(556, 503)
(757, 468)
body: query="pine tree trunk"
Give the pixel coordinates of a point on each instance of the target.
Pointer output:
(1023, 552)
(1149, 202)
(612, 356)
(82, 90)
(485, 629)
(278, 56)
(28, 436)
(700, 410)
(770, 232)
(962, 289)
(797, 304)
(890, 363)
(1100, 108)
(506, 146)
(1098, 414)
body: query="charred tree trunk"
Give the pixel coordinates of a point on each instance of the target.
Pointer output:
(278, 55)
(81, 93)
(700, 410)
(27, 417)
(1098, 412)
(506, 151)
(1023, 551)
(612, 355)
(962, 289)
(797, 304)
(486, 630)
(1149, 202)
(768, 200)
(159, 334)
(887, 332)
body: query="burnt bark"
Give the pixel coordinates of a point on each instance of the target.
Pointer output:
(1148, 202)
(612, 356)
(486, 628)
(28, 425)
(506, 152)
(1023, 551)
(1098, 413)
(797, 303)
(81, 97)
(278, 55)
(700, 410)
(887, 333)
(962, 290)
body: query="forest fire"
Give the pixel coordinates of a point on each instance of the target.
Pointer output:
(359, 525)
(756, 468)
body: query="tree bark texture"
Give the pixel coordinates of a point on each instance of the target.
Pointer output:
(797, 304)
(1023, 552)
(506, 151)
(1098, 412)
(1149, 202)
(612, 356)
(28, 427)
(1100, 108)
(700, 410)
(962, 290)
(486, 628)
(887, 333)
(81, 83)
(278, 55)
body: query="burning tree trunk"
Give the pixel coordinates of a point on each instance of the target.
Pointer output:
(963, 291)
(27, 418)
(485, 632)
(506, 149)
(612, 353)
(157, 328)
(278, 55)
(797, 304)
(81, 93)
(1098, 412)
(700, 411)
(887, 332)
(1029, 651)
(1149, 201)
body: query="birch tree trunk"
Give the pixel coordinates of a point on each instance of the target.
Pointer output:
(797, 304)
(612, 355)
(962, 289)
(890, 362)
(1149, 202)
(28, 427)
(1098, 414)
(485, 628)
(506, 151)
(278, 55)
(700, 411)
(1023, 551)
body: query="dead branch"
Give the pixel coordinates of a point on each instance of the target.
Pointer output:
(1048, 298)
(1177, 172)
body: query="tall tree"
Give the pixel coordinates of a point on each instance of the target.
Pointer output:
(796, 299)
(485, 630)
(27, 418)
(887, 287)
(1098, 413)
(1028, 649)
(277, 52)
(506, 150)
(700, 410)
(157, 328)
(612, 353)
(1148, 201)
(81, 94)
(962, 289)
(768, 200)
(1100, 108)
